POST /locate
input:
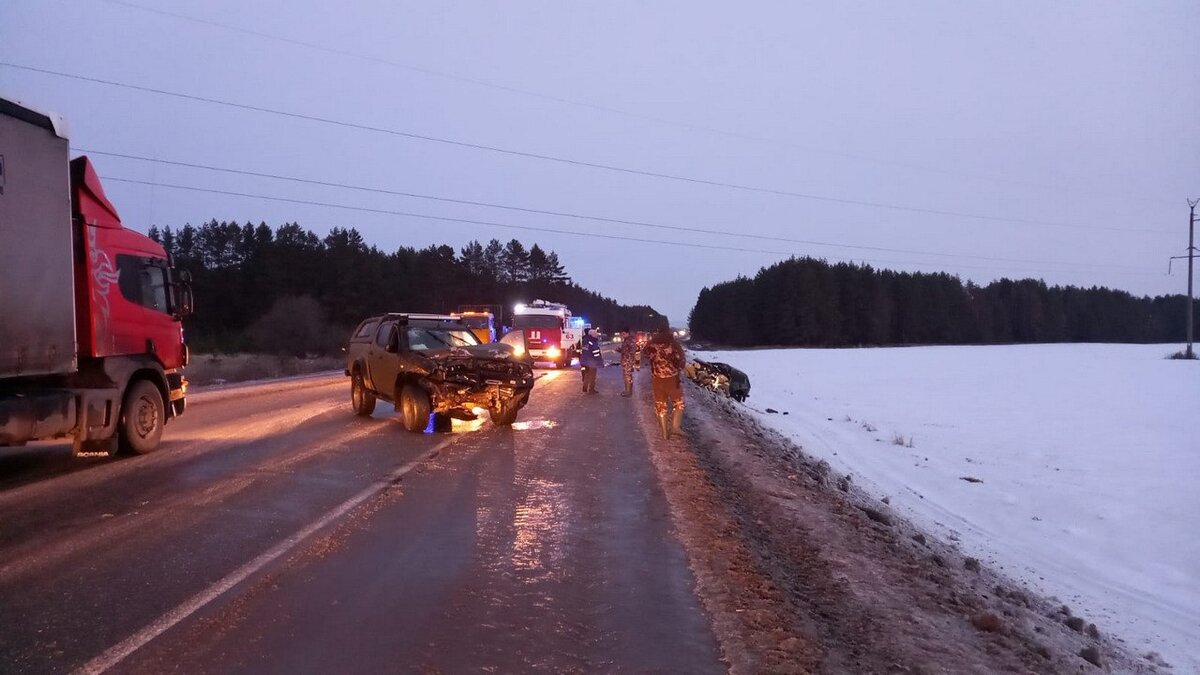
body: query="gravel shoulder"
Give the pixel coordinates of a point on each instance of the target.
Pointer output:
(800, 571)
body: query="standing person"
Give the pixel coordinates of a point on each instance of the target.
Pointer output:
(666, 360)
(590, 359)
(631, 359)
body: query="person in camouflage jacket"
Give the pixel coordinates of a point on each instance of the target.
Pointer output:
(666, 361)
(631, 359)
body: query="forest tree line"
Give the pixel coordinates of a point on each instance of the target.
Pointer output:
(289, 290)
(810, 302)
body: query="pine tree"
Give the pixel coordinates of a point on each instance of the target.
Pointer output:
(168, 241)
(493, 261)
(474, 259)
(555, 273)
(515, 262)
(539, 264)
(187, 244)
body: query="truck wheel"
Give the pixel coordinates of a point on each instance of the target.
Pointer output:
(414, 408)
(505, 415)
(362, 399)
(142, 419)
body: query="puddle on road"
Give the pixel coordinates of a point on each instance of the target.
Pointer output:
(534, 424)
(540, 521)
(481, 421)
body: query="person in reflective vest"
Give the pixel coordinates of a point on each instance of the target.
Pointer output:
(590, 360)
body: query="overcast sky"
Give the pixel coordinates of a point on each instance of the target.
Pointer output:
(1059, 138)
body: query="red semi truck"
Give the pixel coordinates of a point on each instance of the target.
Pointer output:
(91, 339)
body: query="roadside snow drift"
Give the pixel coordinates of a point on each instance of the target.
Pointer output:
(1072, 468)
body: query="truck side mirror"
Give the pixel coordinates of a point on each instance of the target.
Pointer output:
(184, 302)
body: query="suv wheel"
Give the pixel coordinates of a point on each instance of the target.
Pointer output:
(361, 399)
(414, 407)
(443, 423)
(505, 415)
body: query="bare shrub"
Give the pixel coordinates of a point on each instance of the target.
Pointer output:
(209, 369)
(294, 326)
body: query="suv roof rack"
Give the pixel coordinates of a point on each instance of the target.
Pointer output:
(411, 316)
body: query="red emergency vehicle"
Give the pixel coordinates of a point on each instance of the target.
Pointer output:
(91, 339)
(552, 334)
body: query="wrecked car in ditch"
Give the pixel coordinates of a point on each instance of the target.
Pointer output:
(720, 377)
(432, 366)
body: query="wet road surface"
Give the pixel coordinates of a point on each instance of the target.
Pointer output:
(275, 532)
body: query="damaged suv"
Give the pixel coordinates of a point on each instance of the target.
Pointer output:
(433, 365)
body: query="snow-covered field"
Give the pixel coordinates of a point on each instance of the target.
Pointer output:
(1088, 458)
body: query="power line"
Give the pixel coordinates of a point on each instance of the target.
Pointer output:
(564, 214)
(531, 228)
(579, 103)
(563, 160)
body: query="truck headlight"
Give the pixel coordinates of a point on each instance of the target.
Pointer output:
(553, 352)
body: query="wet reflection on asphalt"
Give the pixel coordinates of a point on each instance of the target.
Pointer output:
(546, 547)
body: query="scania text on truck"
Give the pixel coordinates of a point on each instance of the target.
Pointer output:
(91, 339)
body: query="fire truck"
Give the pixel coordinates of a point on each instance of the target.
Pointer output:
(551, 332)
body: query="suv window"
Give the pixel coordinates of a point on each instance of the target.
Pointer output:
(364, 329)
(381, 338)
(142, 283)
(422, 339)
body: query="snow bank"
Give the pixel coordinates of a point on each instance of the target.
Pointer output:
(1088, 455)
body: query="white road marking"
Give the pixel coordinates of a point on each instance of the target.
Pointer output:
(119, 652)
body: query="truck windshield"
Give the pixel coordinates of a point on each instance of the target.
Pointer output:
(424, 339)
(477, 321)
(537, 321)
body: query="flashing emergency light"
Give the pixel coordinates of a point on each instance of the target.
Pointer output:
(519, 308)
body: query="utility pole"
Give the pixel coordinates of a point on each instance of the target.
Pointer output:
(1191, 254)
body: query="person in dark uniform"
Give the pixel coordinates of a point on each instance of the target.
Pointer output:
(631, 359)
(590, 360)
(666, 361)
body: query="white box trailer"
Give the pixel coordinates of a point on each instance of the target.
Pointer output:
(37, 283)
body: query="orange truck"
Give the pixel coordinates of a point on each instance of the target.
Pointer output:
(482, 324)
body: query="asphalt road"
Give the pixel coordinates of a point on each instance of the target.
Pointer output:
(276, 532)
